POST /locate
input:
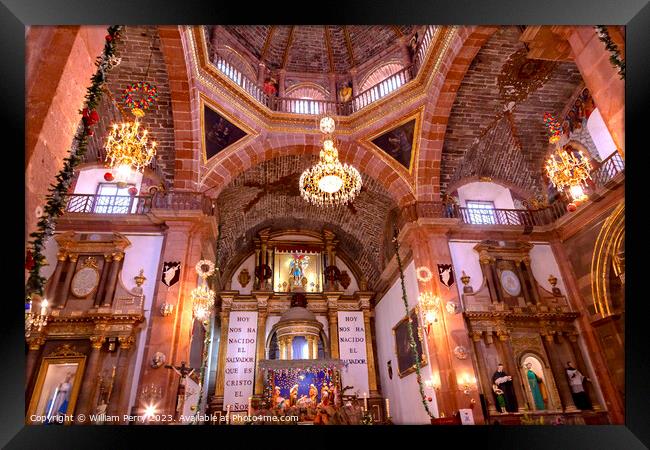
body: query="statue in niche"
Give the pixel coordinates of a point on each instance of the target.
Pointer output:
(503, 381)
(298, 265)
(535, 383)
(580, 397)
(345, 93)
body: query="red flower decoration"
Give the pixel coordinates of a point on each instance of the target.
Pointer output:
(133, 191)
(109, 38)
(108, 176)
(29, 261)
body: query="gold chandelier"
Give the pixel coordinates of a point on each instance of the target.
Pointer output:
(128, 146)
(566, 170)
(202, 296)
(329, 183)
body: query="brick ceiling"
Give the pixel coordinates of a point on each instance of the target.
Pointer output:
(139, 49)
(307, 48)
(479, 101)
(267, 196)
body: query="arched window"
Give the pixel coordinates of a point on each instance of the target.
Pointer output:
(307, 98)
(380, 74)
(600, 134)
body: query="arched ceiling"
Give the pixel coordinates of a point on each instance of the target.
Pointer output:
(267, 195)
(317, 48)
(486, 89)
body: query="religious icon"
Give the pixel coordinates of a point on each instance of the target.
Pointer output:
(403, 350)
(171, 273)
(446, 274)
(219, 132)
(244, 277)
(398, 142)
(345, 93)
(56, 389)
(503, 382)
(576, 379)
(535, 382)
(158, 360)
(298, 265)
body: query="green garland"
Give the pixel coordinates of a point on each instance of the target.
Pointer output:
(207, 325)
(615, 57)
(56, 199)
(412, 344)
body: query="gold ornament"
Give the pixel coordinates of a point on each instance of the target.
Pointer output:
(128, 146)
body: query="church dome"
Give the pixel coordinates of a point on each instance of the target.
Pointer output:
(298, 313)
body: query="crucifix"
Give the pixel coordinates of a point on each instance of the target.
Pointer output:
(184, 371)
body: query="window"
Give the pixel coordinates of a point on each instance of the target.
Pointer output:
(481, 212)
(113, 200)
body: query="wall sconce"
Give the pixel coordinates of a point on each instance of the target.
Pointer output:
(433, 382)
(166, 309)
(430, 305)
(35, 321)
(150, 396)
(467, 383)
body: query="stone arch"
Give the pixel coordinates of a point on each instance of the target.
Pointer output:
(463, 48)
(185, 109)
(232, 164)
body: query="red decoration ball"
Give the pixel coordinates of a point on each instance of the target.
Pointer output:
(571, 207)
(429, 399)
(133, 191)
(109, 38)
(109, 176)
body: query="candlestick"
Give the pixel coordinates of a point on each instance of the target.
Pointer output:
(365, 401)
(387, 408)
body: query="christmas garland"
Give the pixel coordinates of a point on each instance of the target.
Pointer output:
(615, 57)
(412, 344)
(56, 199)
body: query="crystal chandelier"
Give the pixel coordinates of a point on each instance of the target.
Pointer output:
(329, 183)
(569, 170)
(430, 305)
(202, 296)
(35, 321)
(128, 146)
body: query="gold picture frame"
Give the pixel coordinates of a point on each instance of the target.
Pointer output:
(405, 359)
(52, 377)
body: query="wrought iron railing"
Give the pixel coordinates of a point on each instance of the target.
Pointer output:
(607, 170)
(318, 107)
(183, 200)
(108, 204)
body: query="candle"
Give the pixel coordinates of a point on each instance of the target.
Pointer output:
(44, 307)
(365, 401)
(387, 408)
(228, 414)
(250, 406)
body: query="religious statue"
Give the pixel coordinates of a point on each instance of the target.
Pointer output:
(413, 45)
(503, 381)
(501, 400)
(293, 395)
(324, 392)
(313, 394)
(580, 397)
(277, 401)
(345, 93)
(298, 265)
(535, 386)
(57, 405)
(270, 87)
(184, 372)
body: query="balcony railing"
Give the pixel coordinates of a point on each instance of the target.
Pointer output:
(318, 107)
(139, 204)
(108, 204)
(607, 170)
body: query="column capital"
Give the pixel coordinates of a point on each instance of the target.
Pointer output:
(62, 255)
(364, 298)
(118, 256)
(227, 298)
(97, 341)
(126, 342)
(35, 343)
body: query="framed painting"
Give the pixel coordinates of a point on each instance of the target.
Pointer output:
(56, 390)
(405, 357)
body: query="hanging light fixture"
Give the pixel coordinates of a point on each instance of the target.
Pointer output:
(35, 321)
(329, 183)
(128, 147)
(430, 305)
(567, 168)
(202, 296)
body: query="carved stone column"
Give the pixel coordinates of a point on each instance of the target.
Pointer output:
(480, 351)
(112, 279)
(90, 377)
(282, 76)
(226, 303)
(488, 270)
(108, 261)
(333, 320)
(120, 388)
(262, 313)
(503, 343)
(364, 304)
(531, 279)
(53, 284)
(559, 373)
(310, 347)
(289, 346)
(35, 345)
(261, 74)
(63, 295)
